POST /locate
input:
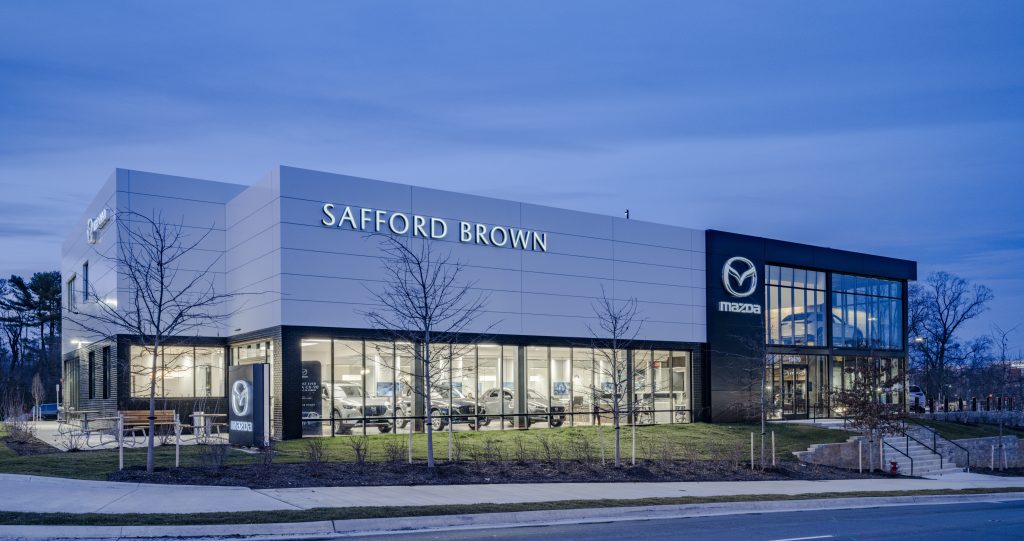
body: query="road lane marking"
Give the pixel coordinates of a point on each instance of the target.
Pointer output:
(805, 538)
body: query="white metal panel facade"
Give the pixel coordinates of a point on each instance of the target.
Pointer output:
(267, 243)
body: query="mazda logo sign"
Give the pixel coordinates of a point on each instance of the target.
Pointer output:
(739, 276)
(241, 397)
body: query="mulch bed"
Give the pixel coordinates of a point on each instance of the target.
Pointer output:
(341, 474)
(28, 446)
(1008, 472)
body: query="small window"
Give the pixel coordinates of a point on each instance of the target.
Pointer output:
(92, 375)
(85, 282)
(71, 294)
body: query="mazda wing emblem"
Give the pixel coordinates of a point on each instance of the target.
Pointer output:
(737, 272)
(240, 397)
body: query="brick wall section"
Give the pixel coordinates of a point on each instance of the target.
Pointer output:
(108, 406)
(275, 336)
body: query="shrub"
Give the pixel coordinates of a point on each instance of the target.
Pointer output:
(492, 450)
(316, 455)
(579, 447)
(359, 446)
(213, 456)
(395, 449)
(550, 449)
(265, 457)
(458, 443)
(519, 447)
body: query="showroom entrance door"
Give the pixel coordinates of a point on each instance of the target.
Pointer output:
(791, 380)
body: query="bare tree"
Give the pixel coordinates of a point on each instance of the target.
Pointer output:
(618, 325)
(864, 402)
(164, 298)
(38, 394)
(425, 306)
(938, 310)
(1002, 370)
(13, 323)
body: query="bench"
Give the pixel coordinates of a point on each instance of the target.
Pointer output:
(137, 421)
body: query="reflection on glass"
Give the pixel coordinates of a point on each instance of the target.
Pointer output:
(866, 312)
(795, 301)
(182, 372)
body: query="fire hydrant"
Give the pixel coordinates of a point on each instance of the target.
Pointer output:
(894, 468)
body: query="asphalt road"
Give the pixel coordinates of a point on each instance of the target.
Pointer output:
(989, 521)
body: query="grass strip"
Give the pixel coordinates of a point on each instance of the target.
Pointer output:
(696, 441)
(349, 513)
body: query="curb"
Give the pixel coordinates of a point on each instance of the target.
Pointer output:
(391, 526)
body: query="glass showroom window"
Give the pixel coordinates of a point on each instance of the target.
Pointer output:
(606, 367)
(141, 363)
(795, 300)
(315, 386)
(537, 383)
(182, 372)
(680, 366)
(347, 396)
(509, 369)
(488, 391)
(866, 312)
(382, 380)
(209, 372)
(561, 374)
(583, 391)
(561, 386)
(643, 386)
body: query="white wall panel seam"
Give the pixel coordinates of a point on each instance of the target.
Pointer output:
(239, 221)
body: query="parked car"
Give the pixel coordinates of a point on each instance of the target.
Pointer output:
(463, 410)
(348, 410)
(536, 404)
(808, 328)
(916, 399)
(48, 411)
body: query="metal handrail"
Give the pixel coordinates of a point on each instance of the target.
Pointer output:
(902, 453)
(936, 436)
(933, 449)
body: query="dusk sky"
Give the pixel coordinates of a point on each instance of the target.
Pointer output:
(895, 128)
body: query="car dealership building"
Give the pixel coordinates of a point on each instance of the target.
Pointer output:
(300, 254)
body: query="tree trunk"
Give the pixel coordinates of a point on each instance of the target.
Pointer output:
(42, 340)
(152, 408)
(764, 405)
(427, 401)
(616, 410)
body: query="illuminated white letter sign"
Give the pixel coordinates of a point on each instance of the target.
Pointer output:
(428, 227)
(95, 225)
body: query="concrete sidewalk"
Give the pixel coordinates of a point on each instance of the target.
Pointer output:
(48, 494)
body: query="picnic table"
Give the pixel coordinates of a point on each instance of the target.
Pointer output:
(206, 425)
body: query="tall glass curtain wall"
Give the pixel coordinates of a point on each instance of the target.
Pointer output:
(361, 386)
(796, 307)
(181, 372)
(866, 313)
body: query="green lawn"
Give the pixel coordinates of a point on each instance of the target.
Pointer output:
(956, 431)
(698, 441)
